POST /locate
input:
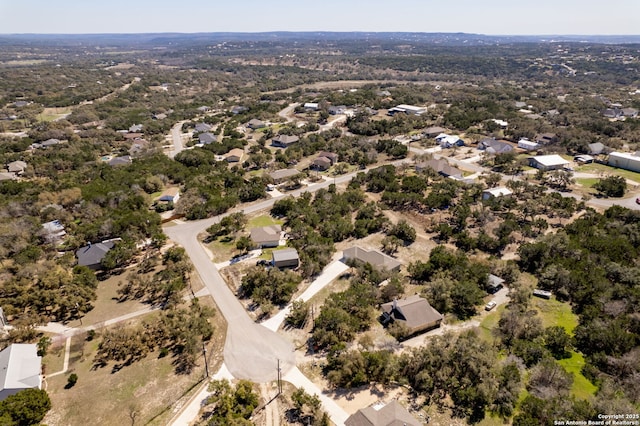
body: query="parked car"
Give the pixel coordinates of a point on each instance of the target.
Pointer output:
(489, 306)
(638, 200)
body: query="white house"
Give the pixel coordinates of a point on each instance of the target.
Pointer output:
(407, 109)
(625, 161)
(311, 106)
(495, 192)
(20, 368)
(548, 162)
(528, 145)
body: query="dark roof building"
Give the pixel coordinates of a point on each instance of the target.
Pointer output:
(597, 148)
(322, 163)
(91, 255)
(493, 146)
(432, 132)
(202, 127)
(414, 312)
(373, 257)
(392, 414)
(254, 123)
(546, 138)
(494, 283)
(207, 138)
(120, 161)
(284, 141)
(286, 258)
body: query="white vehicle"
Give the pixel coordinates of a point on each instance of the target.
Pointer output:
(489, 306)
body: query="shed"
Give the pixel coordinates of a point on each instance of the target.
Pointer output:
(286, 258)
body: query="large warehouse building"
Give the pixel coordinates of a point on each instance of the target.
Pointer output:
(625, 161)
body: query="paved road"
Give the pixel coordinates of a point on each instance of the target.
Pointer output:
(251, 351)
(176, 136)
(287, 113)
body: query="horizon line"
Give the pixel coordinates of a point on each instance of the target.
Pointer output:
(318, 31)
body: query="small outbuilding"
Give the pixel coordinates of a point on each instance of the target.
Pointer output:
(286, 258)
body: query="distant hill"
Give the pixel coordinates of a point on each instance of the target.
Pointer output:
(160, 39)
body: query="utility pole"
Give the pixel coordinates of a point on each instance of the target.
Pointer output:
(206, 364)
(279, 378)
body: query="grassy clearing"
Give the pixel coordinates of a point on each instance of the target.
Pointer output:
(582, 388)
(608, 170)
(489, 323)
(263, 220)
(222, 249)
(588, 182)
(148, 388)
(553, 312)
(106, 305)
(53, 361)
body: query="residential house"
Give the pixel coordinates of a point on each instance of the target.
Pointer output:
(282, 175)
(495, 193)
(321, 163)
(135, 128)
(414, 312)
(92, 254)
(625, 161)
(53, 231)
(170, 195)
(254, 124)
(528, 145)
(311, 106)
(448, 141)
(45, 144)
(20, 369)
(373, 257)
(407, 109)
(494, 283)
(234, 156)
(337, 109)
(133, 136)
(597, 148)
(391, 414)
(120, 161)
(333, 157)
(266, 236)
(548, 162)
(546, 138)
(432, 132)
(207, 138)
(286, 258)
(503, 124)
(440, 166)
(238, 110)
(284, 141)
(493, 146)
(138, 146)
(629, 112)
(17, 167)
(202, 127)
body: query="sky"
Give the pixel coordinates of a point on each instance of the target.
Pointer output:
(491, 17)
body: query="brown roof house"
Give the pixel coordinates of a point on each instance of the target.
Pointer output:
(170, 195)
(373, 257)
(283, 175)
(321, 163)
(266, 236)
(234, 156)
(440, 166)
(284, 141)
(392, 414)
(414, 312)
(254, 124)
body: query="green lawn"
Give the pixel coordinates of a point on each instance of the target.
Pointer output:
(601, 168)
(587, 182)
(582, 388)
(223, 248)
(263, 220)
(489, 323)
(553, 312)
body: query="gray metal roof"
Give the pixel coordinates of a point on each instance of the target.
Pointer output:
(285, 254)
(93, 254)
(20, 367)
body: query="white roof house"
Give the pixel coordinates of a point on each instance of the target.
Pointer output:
(625, 161)
(495, 192)
(20, 368)
(408, 109)
(527, 144)
(548, 162)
